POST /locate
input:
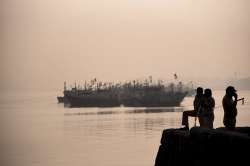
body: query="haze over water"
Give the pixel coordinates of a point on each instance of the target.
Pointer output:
(46, 42)
(37, 131)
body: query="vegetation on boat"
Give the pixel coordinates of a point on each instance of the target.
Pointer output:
(136, 93)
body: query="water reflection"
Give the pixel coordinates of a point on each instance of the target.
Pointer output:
(126, 122)
(149, 125)
(92, 113)
(157, 110)
(129, 111)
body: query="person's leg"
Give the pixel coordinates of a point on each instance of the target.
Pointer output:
(234, 123)
(229, 123)
(203, 121)
(206, 122)
(184, 118)
(211, 121)
(185, 115)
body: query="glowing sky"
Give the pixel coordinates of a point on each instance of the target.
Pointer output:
(49, 41)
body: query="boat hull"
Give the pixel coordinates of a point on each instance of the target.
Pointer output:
(60, 99)
(167, 99)
(88, 101)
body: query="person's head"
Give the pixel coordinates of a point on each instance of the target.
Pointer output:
(199, 91)
(230, 90)
(208, 93)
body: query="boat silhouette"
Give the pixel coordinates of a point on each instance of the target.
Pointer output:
(129, 94)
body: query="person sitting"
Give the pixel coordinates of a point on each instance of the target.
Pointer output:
(196, 104)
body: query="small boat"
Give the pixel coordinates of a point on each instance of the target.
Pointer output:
(60, 99)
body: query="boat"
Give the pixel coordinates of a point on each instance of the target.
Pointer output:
(161, 99)
(189, 88)
(92, 101)
(128, 94)
(60, 99)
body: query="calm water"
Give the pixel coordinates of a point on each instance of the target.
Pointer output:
(36, 131)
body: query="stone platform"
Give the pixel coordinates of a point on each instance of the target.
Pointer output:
(203, 147)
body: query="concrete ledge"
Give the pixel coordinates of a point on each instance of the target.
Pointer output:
(201, 147)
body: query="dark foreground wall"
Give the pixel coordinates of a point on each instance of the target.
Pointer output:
(202, 147)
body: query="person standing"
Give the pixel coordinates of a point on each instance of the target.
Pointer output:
(206, 114)
(196, 104)
(229, 103)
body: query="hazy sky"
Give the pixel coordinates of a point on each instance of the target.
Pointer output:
(44, 42)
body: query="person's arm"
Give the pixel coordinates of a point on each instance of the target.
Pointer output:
(235, 99)
(195, 103)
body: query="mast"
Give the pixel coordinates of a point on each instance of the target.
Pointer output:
(65, 87)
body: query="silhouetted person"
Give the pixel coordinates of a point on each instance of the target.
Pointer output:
(197, 104)
(229, 106)
(206, 114)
